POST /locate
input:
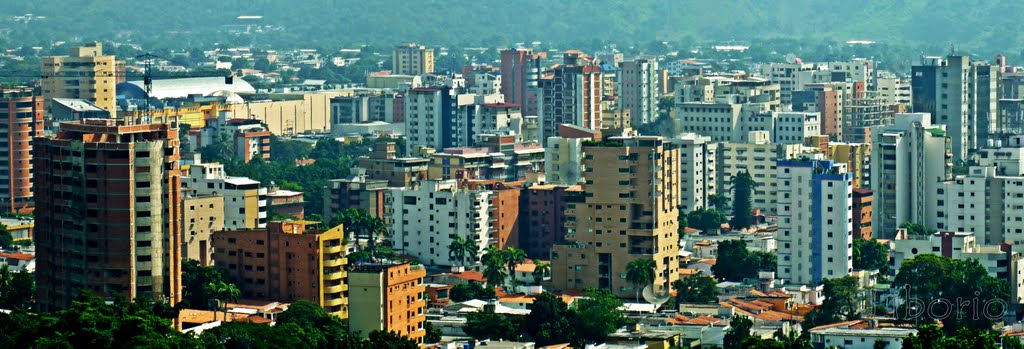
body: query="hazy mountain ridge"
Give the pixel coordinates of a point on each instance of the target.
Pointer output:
(970, 23)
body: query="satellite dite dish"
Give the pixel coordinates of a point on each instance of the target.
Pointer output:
(791, 58)
(656, 298)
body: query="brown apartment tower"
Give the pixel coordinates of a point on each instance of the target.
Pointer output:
(21, 118)
(628, 211)
(108, 208)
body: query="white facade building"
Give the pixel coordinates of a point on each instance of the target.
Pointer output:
(815, 219)
(698, 171)
(245, 200)
(755, 154)
(793, 127)
(425, 217)
(909, 160)
(639, 90)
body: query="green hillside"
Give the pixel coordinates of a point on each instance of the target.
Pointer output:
(965, 23)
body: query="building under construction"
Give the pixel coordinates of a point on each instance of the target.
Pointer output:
(864, 110)
(108, 212)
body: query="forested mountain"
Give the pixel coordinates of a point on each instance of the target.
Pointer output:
(965, 23)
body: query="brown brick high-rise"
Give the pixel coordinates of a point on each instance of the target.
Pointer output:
(21, 118)
(108, 212)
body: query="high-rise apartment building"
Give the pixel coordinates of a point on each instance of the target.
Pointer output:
(21, 119)
(86, 73)
(383, 163)
(388, 298)
(698, 180)
(909, 160)
(960, 94)
(108, 212)
(628, 211)
(245, 200)
(571, 94)
(542, 217)
(862, 202)
(563, 157)
(287, 261)
(410, 58)
(756, 154)
(638, 89)
(815, 217)
(428, 215)
(520, 72)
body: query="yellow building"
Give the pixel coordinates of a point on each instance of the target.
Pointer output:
(388, 298)
(410, 58)
(203, 215)
(856, 156)
(85, 74)
(289, 114)
(629, 211)
(615, 119)
(194, 115)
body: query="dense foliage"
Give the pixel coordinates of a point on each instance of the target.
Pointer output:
(735, 262)
(842, 302)
(960, 293)
(708, 220)
(932, 337)
(91, 322)
(17, 289)
(695, 288)
(551, 321)
(471, 290)
(742, 209)
(870, 255)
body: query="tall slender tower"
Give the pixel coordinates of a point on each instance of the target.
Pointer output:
(108, 208)
(21, 118)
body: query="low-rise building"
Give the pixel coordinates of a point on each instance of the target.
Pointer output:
(287, 261)
(286, 203)
(248, 138)
(245, 200)
(388, 298)
(356, 192)
(384, 163)
(860, 334)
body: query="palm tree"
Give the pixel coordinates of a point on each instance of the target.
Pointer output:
(494, 266)
(640, 272)
(540, 272)
(514, 257)
(456, 250)
(222, 292)
(373, 226)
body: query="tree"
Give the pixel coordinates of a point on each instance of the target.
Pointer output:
(739, 330)
(194, 280)
(742, 210)
(488, 325)
(223, 292)
(706, 219)
(916, 229)
(842, 303)
(930, 279)
(640, 272)
(6, 240)
(456, 250)
(541, 271)
(735, 262)
(870, 255)
(550, 321)
(514, 257)
(718, 202)
(695, 288)
(17, 289)
(494, 266)
(597, 316)
(931, 336)
(433, 334)
(471, 290)
(220, 150)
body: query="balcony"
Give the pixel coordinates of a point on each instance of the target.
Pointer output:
(334, 249)
(334, 276)
(334, 302)
(334, 262)
(335, 289)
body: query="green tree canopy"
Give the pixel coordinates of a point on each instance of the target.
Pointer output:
(735, 262)
(696, 288)
(471, 290)
(708, 220)
(742, 209)
(870, 255)
(842, 303)
(931, 281)
(641, 272)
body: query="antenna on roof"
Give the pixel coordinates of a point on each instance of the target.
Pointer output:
(147, 82)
